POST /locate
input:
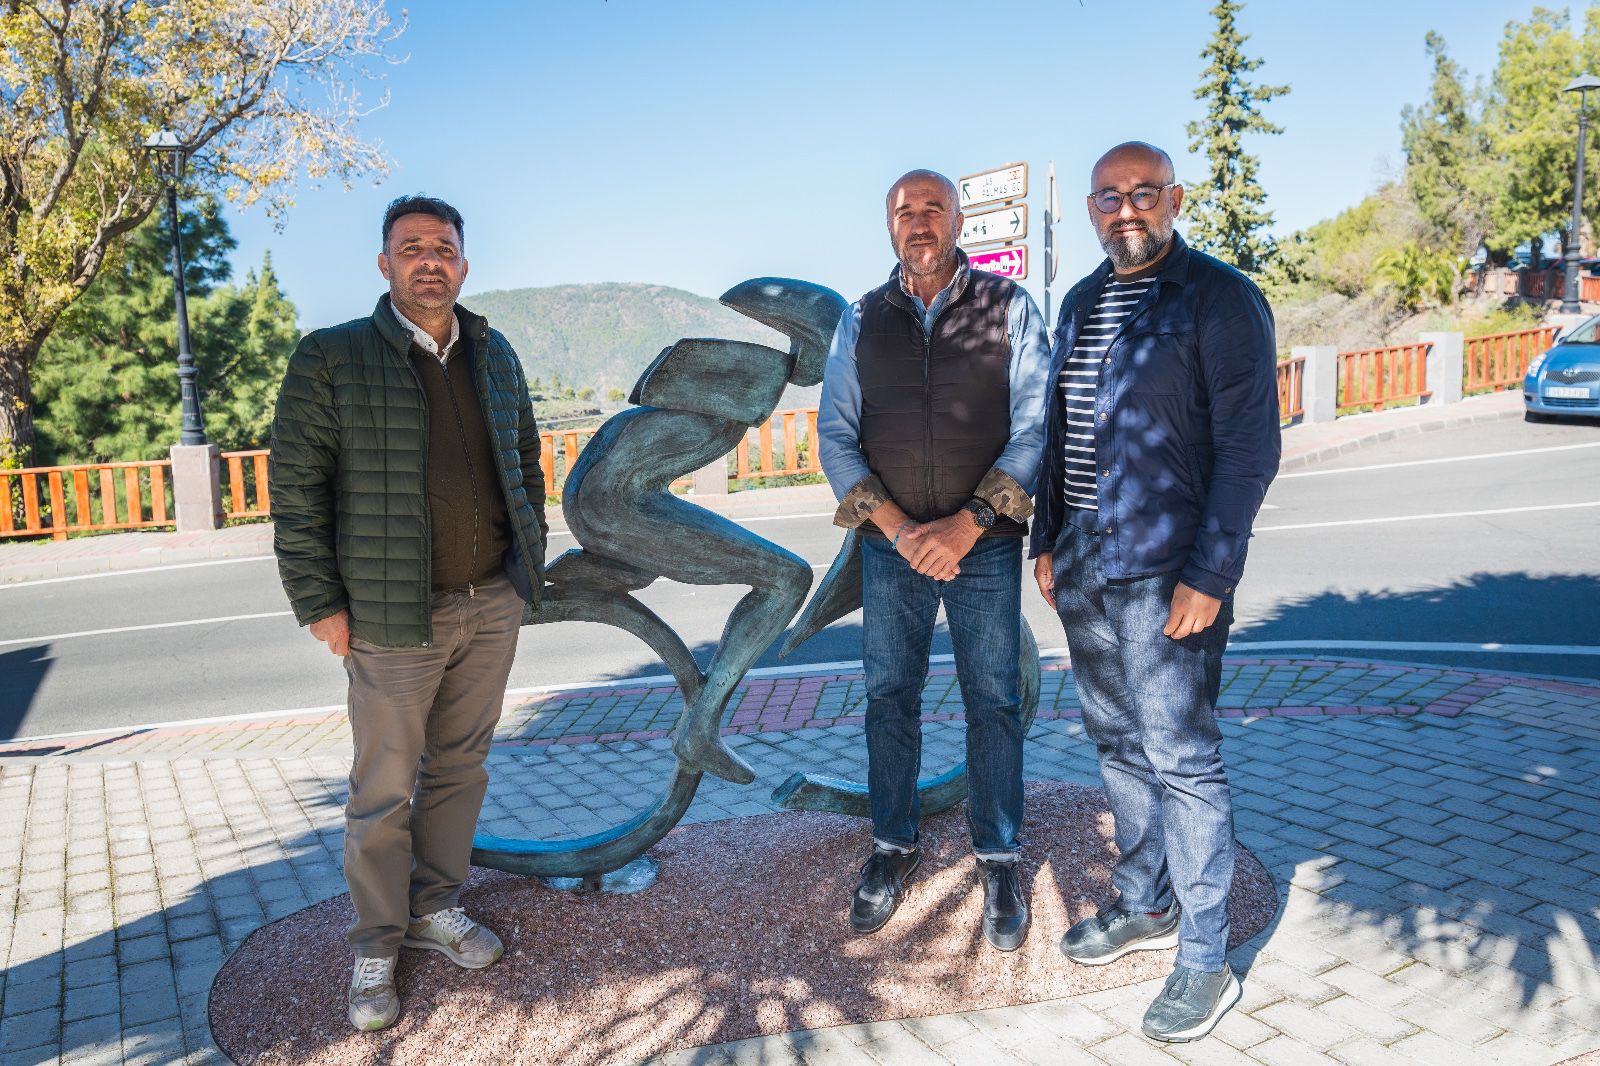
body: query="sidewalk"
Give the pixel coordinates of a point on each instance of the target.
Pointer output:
(1302, 444)
(1432, 832)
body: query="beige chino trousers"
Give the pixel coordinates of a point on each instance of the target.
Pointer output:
(422, 720)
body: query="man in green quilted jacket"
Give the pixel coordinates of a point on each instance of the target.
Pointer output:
(408, 503)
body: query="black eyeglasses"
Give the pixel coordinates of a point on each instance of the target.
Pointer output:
(1109, 201)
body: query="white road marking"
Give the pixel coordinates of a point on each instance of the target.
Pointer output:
(267, 558)
(153, 625)
(134, 570)
(1428, 517)
(852, 666)
(1432, 462)
(1415, 645)
(54, 637)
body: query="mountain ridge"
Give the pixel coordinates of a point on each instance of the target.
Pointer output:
(604, 334)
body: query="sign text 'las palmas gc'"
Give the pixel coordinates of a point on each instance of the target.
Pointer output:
(1006, 224)
(1009, 182)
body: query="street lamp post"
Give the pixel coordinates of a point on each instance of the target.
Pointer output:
(171, 154)
(196, 473)
(1570, 303)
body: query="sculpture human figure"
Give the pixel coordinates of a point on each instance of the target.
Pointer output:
(697, 401)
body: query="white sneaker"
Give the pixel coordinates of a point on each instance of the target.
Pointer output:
(459, 938)
(374, 1001)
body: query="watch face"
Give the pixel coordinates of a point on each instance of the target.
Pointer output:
(982, 513)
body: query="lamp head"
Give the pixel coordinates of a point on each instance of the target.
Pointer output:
(171, 153)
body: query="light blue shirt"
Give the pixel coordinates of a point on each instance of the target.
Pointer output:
(839, 415)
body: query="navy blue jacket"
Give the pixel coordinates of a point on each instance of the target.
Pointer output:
(1186, 424)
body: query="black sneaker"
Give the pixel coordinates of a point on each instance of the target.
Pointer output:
(1114, 932)
(1005, 908)
(882, 887)
(1190, 1004)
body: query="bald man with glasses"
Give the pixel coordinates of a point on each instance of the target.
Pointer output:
(1161, 440)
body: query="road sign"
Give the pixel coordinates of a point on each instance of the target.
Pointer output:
(1007, 262)
(1006, 224)
(1009, 182)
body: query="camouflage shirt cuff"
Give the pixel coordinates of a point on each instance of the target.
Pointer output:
(1003, 493)
(866, 496)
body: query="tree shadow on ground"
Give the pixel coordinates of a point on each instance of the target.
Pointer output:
(138, 991)
(1467, 843)
(21, 673)
(1547, 608)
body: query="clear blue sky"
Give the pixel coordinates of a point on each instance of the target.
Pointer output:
(697, 144)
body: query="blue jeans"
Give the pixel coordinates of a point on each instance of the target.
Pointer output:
(1150, 706)
(983, 606)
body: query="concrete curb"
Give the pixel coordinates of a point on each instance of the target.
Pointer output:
(1489, 408)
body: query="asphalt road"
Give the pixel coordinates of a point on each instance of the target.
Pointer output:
(1488, 534)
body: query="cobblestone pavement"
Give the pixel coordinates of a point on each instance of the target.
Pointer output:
(1433, 833)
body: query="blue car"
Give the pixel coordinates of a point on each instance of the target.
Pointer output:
(1566, 379)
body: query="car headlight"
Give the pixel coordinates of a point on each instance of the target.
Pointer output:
(1538, 361)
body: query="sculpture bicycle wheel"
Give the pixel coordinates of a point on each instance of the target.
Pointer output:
(588, 857)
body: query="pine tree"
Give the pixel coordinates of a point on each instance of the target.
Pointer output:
(106, 383)
(1228, 214)
(1447, 164)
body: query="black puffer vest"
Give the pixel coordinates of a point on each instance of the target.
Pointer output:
(936, 409)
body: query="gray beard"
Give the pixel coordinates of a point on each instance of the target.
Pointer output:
(1136, 250)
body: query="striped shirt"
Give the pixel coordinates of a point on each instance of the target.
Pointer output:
(1080, 374)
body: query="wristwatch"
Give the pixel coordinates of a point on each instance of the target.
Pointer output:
(982, 513)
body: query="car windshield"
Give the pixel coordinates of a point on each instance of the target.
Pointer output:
(1584, 334)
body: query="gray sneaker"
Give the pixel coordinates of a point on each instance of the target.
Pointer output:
(374, 1002)
(1114, 932)
(1191, 1004)
(460, 939)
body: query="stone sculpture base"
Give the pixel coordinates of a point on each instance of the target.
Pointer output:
(637, 876)
(744, 934)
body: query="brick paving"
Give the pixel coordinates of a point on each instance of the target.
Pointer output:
(1433, 833)
(1255, 688)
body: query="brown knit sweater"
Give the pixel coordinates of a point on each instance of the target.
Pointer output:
(470, 526)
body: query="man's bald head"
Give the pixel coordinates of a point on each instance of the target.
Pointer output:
(924, 223)
(1156, 161)
(929, 178)
(1134, 198)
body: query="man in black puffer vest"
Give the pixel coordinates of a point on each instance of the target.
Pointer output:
(931, 432)
(408, 503)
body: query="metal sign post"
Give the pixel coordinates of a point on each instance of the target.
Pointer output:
(1052, 259)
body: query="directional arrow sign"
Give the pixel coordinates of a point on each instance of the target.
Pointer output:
(1006, 224)
(1009, 182)
(1007, 262)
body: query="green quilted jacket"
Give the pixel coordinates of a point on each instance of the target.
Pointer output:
(349, 499)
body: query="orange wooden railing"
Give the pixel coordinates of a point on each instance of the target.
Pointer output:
(244, 484)
(1542, 284)
(1589, 288)
(758, 459)
(1291, 388)
(1376, 377)
(784, 444)
(84, 498)
(1499, 360)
